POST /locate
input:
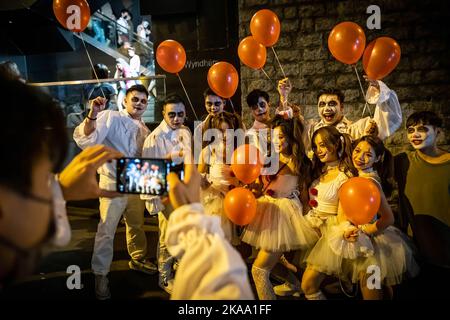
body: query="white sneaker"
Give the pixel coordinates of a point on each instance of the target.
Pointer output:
(102, 287)
(166, 284)
(287, 289)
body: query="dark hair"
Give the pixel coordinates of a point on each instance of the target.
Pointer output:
(425, 118)
(173, 98)
(213, 122)
(293, 131)
(138, 88)
(384, 167)
(101, 70)
(9, 70)
(209, 92)
(253, 97)
(332, 91)
(343, 146)
(34, 126)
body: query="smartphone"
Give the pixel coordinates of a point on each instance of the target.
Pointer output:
(145, 175)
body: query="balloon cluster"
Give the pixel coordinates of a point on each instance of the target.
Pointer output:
(347, 43)
(240, 203)
(265, 28)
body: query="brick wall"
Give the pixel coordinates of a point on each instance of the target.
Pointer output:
(421, 80)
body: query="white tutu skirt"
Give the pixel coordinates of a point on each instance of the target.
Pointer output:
(392, 254)
(212, 201)
(279, 226)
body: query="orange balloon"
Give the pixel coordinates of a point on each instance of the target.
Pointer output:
(360, 200)
(381, 56)
(265, 27)
(246, 163)
(223, 79)
(252, 53)
(171, 56)
(240, 206)
(347, 42)
(74, 15)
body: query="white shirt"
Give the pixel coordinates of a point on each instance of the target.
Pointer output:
(161, 143)
(118, 130)
(210, 268)
(135, 65)
(122, 25)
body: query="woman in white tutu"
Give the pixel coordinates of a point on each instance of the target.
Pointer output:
(279, 225)
(354, 254)
(213, 164)
(332, 168)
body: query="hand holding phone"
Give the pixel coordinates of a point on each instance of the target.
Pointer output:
(145, 175)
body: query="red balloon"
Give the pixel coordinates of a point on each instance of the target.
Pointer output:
(171, 56)
(360, 200)
(246, 163)
(223, 79)
(347, 42)
(252, 53)
(240, 206)
(73, 15)
(265, 27)
(381, 56)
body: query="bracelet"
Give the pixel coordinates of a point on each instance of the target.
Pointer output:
(93, 119)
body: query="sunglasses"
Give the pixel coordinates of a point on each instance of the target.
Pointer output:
(172, 115)
(136, 100)
(331, 103)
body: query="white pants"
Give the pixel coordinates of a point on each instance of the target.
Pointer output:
(165, 260)
(111, 210)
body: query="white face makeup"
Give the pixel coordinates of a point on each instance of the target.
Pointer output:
(214, 104)
(279, 140)
(422, 136)
(364, 156)
(330, 109)
(136, 104)
(260, 112)
(174, 115)
(321, 150)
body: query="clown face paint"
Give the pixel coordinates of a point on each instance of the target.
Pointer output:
(422, 136)
(330, 109)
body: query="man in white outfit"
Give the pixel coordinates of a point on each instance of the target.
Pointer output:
(171, 140)
(386, 120)
(124, 131)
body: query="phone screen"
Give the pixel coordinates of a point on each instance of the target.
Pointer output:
(145, 175)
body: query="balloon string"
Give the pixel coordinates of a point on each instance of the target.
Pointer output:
(232, 106)
(276, 57)
(185, 92)
(366, 106)
(92, 65)
(265, 74)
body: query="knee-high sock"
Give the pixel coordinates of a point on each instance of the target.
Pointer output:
(316, 296)
(263, 284)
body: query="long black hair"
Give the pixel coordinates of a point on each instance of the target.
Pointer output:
(334, 141)
(293, 131)
(385, 166)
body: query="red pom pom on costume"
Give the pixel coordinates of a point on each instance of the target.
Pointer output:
(313, 203)
(314, 191)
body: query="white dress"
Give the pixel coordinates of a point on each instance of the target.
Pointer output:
(279, 225)
(212, 198)
(389, 250)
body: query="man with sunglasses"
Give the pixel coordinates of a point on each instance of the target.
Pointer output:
(124, 131)
(171, 140)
